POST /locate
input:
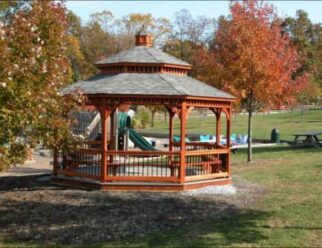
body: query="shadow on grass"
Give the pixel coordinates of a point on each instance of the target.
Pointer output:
(25, 183)
(57, 216)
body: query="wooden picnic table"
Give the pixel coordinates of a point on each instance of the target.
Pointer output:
(308, 139)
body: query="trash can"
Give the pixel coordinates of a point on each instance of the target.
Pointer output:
(275, 136)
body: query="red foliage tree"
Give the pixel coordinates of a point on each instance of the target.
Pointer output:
(253, 60)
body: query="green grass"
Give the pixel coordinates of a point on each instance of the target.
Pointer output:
(288, 215)
(287, 124)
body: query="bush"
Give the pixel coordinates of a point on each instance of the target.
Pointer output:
(142, 118)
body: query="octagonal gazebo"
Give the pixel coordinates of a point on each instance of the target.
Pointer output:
(144, 75)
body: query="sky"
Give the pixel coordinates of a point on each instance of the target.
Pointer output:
(211, 9)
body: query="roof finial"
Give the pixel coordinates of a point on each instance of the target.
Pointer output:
(142, 38)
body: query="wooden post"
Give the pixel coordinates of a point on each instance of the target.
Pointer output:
(183, 122)
(171, 116)
(112, 131)
(228, 116)
(218, 125)
(112, 139)
(104, 116)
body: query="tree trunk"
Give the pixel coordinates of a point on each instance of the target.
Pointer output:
(302, 113)
(250, 138)
(152, 119)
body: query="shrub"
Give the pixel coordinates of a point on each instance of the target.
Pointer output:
(142, 118)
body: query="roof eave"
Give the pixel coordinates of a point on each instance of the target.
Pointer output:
(181, 66)
(181, 97)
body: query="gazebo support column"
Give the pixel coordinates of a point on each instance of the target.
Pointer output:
(171, 116)
(112, 145)
(183, 122)
(217, 112)
(218, 126)
(104, 116)
(112, 133)
(228, 117)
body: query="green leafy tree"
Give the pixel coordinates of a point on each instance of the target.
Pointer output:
(75, 54)
(307, 37)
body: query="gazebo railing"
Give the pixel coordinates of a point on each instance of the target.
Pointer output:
(206, 164)
(192, 146)
(145, 166)
(80, 163)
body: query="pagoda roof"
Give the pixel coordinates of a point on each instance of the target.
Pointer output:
(145, 55)
(153, 84)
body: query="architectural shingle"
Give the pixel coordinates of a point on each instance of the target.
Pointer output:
(161, 84)
(143, 54)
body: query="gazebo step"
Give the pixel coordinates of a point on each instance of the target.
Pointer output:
(137, 186)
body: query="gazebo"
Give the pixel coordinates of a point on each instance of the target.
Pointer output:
(144, 75)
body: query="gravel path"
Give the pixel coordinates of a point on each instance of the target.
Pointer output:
(40, 165)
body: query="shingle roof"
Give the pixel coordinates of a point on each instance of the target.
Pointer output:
(146, 84)
(143, 54)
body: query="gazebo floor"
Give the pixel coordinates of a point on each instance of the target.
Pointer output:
(136, 186)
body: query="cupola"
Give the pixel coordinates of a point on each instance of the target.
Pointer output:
(143, 38)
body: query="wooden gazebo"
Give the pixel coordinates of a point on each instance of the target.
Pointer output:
(144, 75)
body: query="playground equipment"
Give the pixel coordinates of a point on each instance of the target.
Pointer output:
(126, 132)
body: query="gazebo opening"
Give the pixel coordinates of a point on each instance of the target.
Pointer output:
(115, 156)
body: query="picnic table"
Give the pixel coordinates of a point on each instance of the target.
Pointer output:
(308, 139)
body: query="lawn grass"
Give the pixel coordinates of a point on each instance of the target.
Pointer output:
(287, 123)
(288, 215)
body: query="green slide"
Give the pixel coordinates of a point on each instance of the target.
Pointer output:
(140, 141)
(124, 122)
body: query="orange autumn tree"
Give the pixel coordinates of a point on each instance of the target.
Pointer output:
(254, 61)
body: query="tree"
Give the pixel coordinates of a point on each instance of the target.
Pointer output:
(197, 30)
(190, 35)
(75, 54)
(104, 19)
(253, 60)
(9, 8)
(93, 40)
(104, 36)
(33, 67)
(154, 109)
(129, 25)
(308, 39)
